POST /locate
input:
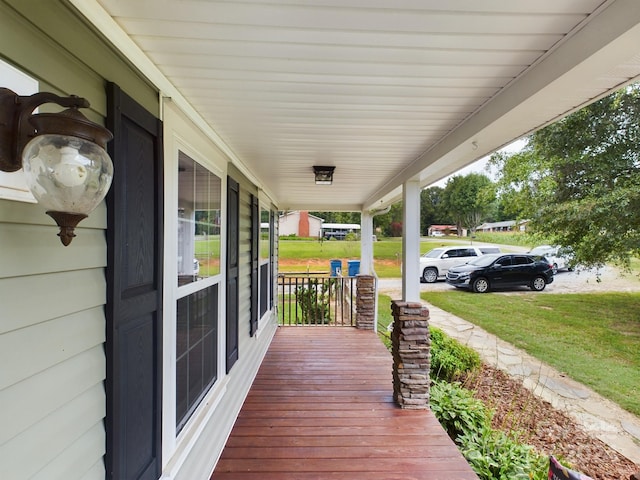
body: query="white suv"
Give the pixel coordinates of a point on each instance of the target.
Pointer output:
(554, 255)
(436, 263)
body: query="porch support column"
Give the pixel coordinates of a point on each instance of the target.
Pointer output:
(366, 243)
(410, 345)
(366, 294)
(411, 241)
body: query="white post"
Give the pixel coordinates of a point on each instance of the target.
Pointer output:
(411, 241)
(366, 243)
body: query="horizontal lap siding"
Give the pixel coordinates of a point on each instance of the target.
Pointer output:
(52, 322)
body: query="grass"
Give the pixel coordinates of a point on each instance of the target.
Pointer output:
(594, 338)
(384, 319)
(520, 239)
(313, 256)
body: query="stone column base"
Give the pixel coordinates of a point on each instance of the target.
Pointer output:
(365, 302)
(410, 347)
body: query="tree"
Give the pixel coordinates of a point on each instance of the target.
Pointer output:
(338, 217)
(468, 199)
(431, 209)
(578, 180)
(390, 224)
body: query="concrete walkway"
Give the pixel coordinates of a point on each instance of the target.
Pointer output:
(600, 417)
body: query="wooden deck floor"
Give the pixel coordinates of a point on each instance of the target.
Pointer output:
(321, 407)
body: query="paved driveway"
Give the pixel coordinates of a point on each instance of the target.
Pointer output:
(607, 279)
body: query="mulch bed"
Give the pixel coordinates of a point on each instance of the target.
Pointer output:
(547, 429)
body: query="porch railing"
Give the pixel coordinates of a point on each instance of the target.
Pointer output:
(316, 299)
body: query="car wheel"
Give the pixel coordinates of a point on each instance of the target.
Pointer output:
(481, 285)
(555, 268)
(430, 275)
(538, 284)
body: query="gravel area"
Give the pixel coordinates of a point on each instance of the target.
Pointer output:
(607, 279)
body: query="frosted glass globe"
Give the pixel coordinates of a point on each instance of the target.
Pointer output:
(67, 174)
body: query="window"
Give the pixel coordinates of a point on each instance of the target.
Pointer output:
(196, 352)
(505, 261)
(199, 210)
(522, 260)
(265, 253)
(199, 202)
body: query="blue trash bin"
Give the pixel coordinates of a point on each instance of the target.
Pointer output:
(336, 267)
(354, 267)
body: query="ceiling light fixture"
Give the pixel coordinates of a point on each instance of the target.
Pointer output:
(324, 175)
(63, 155)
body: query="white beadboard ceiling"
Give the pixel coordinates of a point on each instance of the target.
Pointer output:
(386, 91)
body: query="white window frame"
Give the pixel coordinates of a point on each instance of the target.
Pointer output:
(264, 204)
(181, 136)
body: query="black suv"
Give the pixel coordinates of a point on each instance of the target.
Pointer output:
(499, 270)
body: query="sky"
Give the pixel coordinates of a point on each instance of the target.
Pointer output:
(480, 166)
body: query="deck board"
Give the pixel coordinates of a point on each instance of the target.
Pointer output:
(321, 407)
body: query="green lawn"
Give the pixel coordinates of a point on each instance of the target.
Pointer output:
(384, 319)
(594, 338)
(313, 255)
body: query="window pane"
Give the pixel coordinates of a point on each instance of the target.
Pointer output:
(264, 288)
(196, 350)
(199, 201)
(182, 397)
(264, 234)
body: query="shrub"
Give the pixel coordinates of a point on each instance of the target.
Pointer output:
(314, 301)
(450, 359)
(457, 410)
(494, 455)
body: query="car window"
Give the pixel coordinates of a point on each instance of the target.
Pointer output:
(483, 261)
(435, 253)
(461, 252)
(522, 260)
(505, 261)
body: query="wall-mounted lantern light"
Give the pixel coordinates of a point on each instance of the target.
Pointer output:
(63, 155)
(324, 175)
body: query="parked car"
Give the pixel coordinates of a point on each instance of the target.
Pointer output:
(435, 263)
(437, 233)
(502, 270)
(554, 255)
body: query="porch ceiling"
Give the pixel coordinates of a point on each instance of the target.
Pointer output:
(385, 91)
